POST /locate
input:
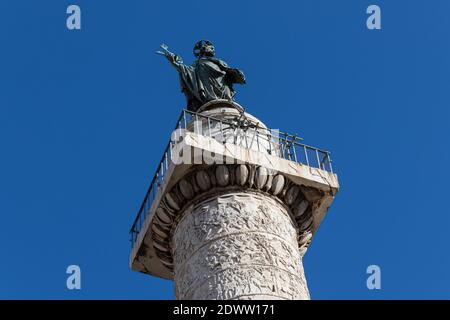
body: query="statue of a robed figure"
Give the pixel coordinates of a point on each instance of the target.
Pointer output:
(207, 79)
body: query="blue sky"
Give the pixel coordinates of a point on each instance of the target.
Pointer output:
(85, 116)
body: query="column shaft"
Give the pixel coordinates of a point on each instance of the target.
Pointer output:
(238, 245)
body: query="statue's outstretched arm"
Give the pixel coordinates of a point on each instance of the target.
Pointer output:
(173, 58)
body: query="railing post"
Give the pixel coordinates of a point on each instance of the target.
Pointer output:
(221, 131)
(209, 128)
(287, 147)
(293, 148)
(167, 163)
(329, 162)
(322, 162)
(246, 139)
(318, 160)
(257, 138)
(306, 155)
(196, 124)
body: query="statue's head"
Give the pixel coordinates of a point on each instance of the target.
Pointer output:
(204, 48)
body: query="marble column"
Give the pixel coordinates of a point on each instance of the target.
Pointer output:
(238, 245)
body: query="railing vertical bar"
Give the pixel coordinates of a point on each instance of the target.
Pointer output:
(322, 162)
(196, 124)
(329, 162)
(221, 132)
(295, 153)
(318, 160)
(306, 155)
(209, 128)
(167, 162)
(289, 145)
(257, 138)
(286, 147)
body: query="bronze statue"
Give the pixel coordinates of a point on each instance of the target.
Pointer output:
(207, 79)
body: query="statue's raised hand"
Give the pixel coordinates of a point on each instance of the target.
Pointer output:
(173, 58)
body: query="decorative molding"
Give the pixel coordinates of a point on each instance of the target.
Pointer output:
(210, 181)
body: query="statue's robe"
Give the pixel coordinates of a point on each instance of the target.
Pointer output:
(208, 79)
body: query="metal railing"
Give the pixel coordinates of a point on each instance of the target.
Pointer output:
(238, 131)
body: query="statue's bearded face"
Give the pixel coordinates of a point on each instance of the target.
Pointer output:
(207, 50)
